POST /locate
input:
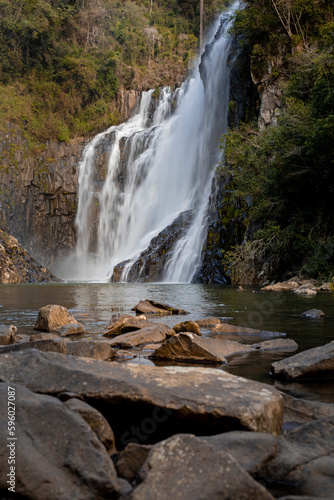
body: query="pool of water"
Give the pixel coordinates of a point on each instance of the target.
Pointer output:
(94, 303)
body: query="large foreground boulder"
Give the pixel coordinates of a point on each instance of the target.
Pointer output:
(185, 467)
(163, 400)
(317, 362)
(57, 455)
(52, 317)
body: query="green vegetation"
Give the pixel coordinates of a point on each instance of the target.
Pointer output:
(63, 63)
(284, 175)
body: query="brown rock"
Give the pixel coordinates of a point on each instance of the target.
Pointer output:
(116, 317)
(71, 329)
(125, 325)
(53, 317)
(152, 307)
(208, 322)
(44, 336)
(7, 334)
(57, 453)
(153, 333)
(55, 345)
(252, 450)
(187, 326)
(151, 347)
(277, 345)
(91, 349)
(242, 330)
(300, 411)
(186, 347)
(131, 459)
(312, 363)
(96, 421)
(211, 400)
(185, 467)
(282, 287)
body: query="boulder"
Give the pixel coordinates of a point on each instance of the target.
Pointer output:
(153, 333)
(151, 307)
(163, 400)
(125, 325)
(317, 362)
(313, 313)
(54, 345)
(91, 349)
(57, 453)
(185, 467)
(96, 421)
(187, 326)
(300, 411)
(53, 317)
(71, 329)
(252, 450)
(189, 348)
(131, 459)
(7, 334)
(242, 330)
(276, 345)
(282, 286)
(43, 336)
(208, 322)
(116, 317)
(305, 459)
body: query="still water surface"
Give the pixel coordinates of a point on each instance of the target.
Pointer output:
(94, 303)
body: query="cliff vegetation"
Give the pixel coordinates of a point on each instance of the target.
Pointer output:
(283, 175)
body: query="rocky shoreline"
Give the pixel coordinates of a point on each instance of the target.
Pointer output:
(90, 426)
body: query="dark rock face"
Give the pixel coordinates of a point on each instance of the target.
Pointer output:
(77, 466)
(185, 467)
(17, 266)
(150, 265)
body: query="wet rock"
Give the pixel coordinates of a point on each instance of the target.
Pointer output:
(152, 307)
(305, 459)
(151, 263)
(277, 345)
(208, 322)
(312, 363)
(44, 336)
(187, 326)
(242, 330)
(199, 400)
(53, 317)
(189, 348)
(282, 286)
(91, 349)
(126, 354)
(252, 450)
(17, 266)
(125, 325)
(72, 329)
(187, 468)
(153, 333)
(96, 421)
(7, 334)
(131, 459)
(54, 345)
(58, 455)
(313, 313)
(116, 317)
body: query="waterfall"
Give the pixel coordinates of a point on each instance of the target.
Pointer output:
(161, 165)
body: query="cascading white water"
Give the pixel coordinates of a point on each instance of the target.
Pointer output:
(159, 167)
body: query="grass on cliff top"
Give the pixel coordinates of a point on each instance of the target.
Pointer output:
(63, 63)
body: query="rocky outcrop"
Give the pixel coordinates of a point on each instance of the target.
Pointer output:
(17, 266)
(312, 363)
(150, 265)
(198, 400)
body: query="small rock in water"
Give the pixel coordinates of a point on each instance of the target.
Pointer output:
(152, 307)
(187, 326)
(313, 313)
(7, 334)
(208, 322)
(52, 317)
(71, 329)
